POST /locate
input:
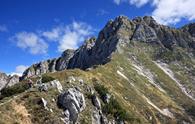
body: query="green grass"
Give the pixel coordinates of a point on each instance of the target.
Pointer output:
(101, 90)
(127, 102)
(46, 78)
(13, 90)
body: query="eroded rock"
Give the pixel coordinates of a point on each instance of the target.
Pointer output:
(50, 85)
(73, 101)
(96, 102)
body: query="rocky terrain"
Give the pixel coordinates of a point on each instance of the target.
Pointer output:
(136, 72)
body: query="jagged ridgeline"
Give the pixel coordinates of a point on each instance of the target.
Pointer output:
(136, 72)
(120, 32)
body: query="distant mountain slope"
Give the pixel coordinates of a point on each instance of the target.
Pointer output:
(6, 80)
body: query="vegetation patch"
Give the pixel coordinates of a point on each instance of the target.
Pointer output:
(113, 107)
(46, 78)
(102, 91)
(13, 90)
(191, 111)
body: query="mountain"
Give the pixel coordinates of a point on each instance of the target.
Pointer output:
(135, 71)
(115, 33)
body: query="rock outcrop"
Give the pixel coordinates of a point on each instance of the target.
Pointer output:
(73, 102)
(96, 102)
(3, 80)
(51, 65)
(50, 85)
(190, 28)
(120, 32)
(6, 81)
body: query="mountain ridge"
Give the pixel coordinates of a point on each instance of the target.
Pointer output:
(120, 31)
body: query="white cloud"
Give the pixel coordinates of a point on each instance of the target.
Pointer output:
(52, 35)
(138, 3)
(19, 70)
(31, 42)
(3, 28)
(167, 11)
(117, 2)
(172, 11)
(69, 36)
(74, 34)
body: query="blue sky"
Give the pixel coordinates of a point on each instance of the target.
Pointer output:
(34, 30)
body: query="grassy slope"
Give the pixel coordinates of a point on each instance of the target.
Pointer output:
(130, 97)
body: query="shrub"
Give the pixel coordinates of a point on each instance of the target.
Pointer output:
(15, 89)
(114, 108)
(46, 79)
(191, 111)
(102, 91)
(89, 95)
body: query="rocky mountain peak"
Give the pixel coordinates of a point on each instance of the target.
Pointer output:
(116, 33)
(189, 28)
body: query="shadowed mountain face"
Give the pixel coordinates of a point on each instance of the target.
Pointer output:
(119, 32)
(135, 72)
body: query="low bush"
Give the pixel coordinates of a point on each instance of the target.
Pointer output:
(102, 91)
(169, 56)
(114, 108)
(46, 79)
(191, 111)
(15, 89)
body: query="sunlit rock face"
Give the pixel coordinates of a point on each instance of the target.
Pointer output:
(116, 34)
(6, 81)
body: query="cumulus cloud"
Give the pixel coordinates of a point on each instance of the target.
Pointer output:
(19, 70)
(3, 28)
(138, 3)
(172, 11)
(31, 42)
(52, 35)
(69, 36)
(74, 34)
(167, 11)
(117, 2)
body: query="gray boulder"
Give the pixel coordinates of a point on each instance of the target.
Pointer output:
(96, 102)
(73, 101)
(98, 117)
(50, 85)
(106, 98)
(44, 102)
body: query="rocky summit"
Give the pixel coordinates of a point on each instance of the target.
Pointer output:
(135, 72)
(121, 31)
